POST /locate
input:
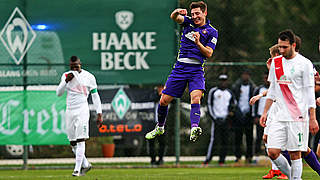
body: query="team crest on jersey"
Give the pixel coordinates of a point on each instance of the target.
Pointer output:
(204, 31)
(292, 70)
(190, 36)
(214, 40)
(283, 80)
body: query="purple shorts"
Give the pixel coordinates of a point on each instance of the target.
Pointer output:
(184, 74)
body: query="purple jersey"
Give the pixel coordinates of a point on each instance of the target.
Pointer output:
(208, 37)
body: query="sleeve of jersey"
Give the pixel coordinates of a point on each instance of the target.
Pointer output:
(271, 79)
(187, 20)
(62, 85)
(308, 77)
(271, 91)
(311, 97)
(212, 42)
(271, 75)
(93, 83)
(96, 101)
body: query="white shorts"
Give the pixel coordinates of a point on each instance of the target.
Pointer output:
(77, 122)
(288, 135)
(266, 129)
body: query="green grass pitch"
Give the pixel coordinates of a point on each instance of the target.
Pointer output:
(212, 173)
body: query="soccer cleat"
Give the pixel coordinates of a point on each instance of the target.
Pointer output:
(157, 131)
(76, 173)
(205, 164)
(282, 176)
(195, 133)
(270, 175)
(277, 172)
(84, 170)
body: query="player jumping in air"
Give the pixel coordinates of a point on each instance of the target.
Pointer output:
(197, 43)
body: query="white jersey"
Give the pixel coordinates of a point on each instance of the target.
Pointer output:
(219, 102)
(78, 88)
(291, 104)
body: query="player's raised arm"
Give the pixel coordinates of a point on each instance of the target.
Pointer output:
(178, 15)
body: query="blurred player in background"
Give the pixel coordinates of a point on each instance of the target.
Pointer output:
(294, 107)
(274, 51)
(160, 151)
(221, 104)
(258, 109)
(79, 83)
(197, 43)
(242, 123)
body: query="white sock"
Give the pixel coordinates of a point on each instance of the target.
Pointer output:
(81, 148)
(74, 149)
(296, 169)
(85, 162)
(274, 166)
(283, 165)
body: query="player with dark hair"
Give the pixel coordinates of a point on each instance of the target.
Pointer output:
(309, 156)
(197, 43)
(291, 95)
(79, 83)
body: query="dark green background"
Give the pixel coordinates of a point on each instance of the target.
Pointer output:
(74, 21)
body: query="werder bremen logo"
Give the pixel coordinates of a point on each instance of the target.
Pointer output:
(124, 19)
(121, 103)
(17, 36)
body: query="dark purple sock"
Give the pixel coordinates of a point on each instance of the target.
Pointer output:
(195, 115)
(313, 162)
(287, 156)
(162, 115)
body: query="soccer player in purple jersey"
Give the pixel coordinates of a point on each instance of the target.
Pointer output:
(197, 43)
